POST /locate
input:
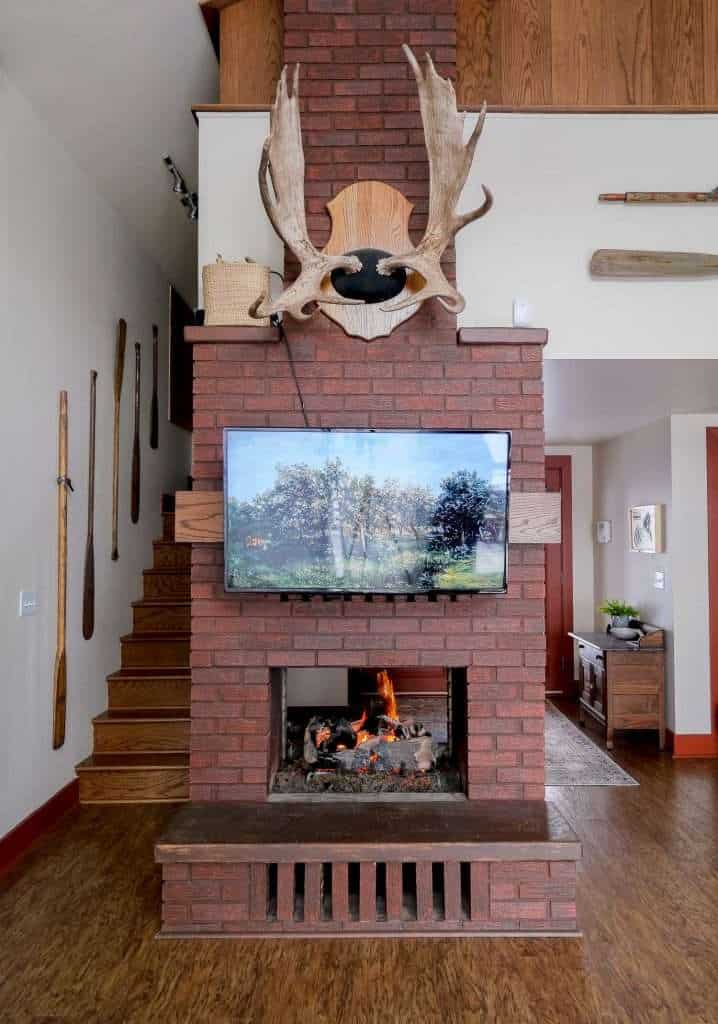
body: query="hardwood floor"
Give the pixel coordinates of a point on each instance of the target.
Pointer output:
(78, 918)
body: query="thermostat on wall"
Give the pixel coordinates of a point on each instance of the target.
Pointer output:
(604, 531)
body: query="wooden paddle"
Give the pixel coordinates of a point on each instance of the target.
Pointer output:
(135, 495)
(154, 405)
(60, 673)
(119, 374)
(88, 586)
(635, 263)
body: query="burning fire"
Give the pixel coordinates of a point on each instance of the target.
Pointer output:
(385, 689)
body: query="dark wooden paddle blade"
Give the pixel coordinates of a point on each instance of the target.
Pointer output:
(154, 422)
(135, 498)
(88, 591)
(60, 700)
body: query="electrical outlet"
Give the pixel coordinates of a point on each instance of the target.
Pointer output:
(28, 603)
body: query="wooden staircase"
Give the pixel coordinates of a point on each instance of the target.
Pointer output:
(141, 743)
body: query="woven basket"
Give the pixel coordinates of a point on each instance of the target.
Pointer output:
(229, 291)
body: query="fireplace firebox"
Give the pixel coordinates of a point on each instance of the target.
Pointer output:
(370, 732)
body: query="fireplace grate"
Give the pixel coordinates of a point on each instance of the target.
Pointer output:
(367, 892)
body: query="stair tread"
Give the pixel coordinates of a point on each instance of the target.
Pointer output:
(132, 761)
(155, 636)
(171, 672)
(117, 715)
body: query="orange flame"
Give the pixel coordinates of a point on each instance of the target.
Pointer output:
(385, 689)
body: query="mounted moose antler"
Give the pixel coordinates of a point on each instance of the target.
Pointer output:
(283, 162)
(449, 165)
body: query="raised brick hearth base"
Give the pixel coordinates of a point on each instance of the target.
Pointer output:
(466, 868)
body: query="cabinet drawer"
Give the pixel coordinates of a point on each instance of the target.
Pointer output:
(634, 710)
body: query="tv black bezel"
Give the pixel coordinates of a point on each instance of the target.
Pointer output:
(340, 592)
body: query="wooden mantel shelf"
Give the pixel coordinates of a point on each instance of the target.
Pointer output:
(231, 335)
(269, 335)
(502, 336)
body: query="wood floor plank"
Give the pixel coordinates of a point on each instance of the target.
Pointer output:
(84, 904)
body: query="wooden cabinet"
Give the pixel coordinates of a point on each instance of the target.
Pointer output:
(621, 685)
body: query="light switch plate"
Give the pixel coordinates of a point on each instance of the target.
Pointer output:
(28, 603)
(659, 581)
(522, 313)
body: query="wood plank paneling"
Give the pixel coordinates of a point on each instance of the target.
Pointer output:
(478, 33)
(601, 52)
(251, 35)
(526, 51)
(678, 51)
(578, 54)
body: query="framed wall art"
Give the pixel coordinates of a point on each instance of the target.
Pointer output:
(645, 526)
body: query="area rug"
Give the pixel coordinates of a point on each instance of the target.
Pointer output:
(572, 759)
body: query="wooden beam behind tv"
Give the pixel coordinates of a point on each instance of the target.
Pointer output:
(533, 519)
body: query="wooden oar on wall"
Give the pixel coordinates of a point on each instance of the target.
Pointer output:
(154, 404)
(119, 374)
(638, 263)
(88, 588)
(60, 674)
(135, 493)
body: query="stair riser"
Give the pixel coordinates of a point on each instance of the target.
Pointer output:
(149, 693)
(168, 526)
(169, 618)
(167, 585)
(172, 556)
(134, 786)
(156, 654)
(141, 737)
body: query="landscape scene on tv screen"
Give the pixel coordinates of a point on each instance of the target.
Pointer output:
(365, 511)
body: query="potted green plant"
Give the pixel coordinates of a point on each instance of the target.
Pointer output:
(620, 612)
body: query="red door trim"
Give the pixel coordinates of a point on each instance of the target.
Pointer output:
(563, 464)
(712, 474)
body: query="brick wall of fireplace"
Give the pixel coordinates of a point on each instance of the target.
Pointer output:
(360, 121)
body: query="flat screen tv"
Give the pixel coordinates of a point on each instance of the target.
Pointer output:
(366, 511)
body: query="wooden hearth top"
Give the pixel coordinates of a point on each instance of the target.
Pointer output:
(350, 831)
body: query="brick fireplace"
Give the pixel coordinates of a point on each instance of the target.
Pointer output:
(360, 120)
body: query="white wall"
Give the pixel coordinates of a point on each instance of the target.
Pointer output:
(68, 270)
(546, 172)
(232, 220)
(635, 469)
(582, 531)
(690, 572)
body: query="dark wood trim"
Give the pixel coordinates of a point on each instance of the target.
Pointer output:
(230, 335)
(502, 336)
(712, 498)
(230, 108)
(18, 840)
(564, 464)
(592, 109)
